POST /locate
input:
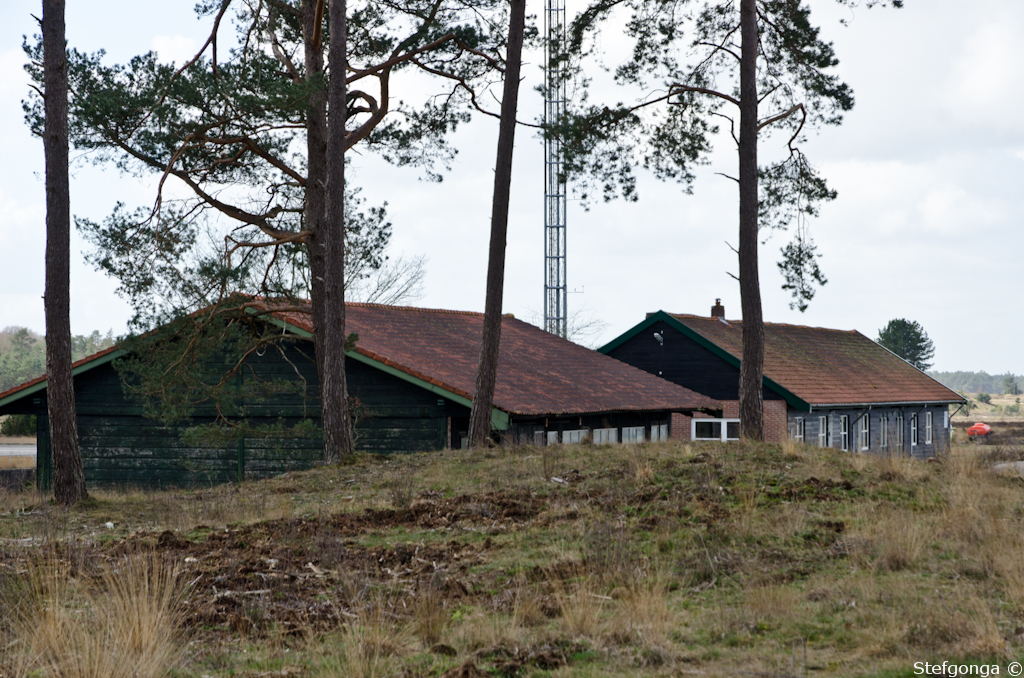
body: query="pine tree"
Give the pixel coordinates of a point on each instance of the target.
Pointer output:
(243, 132)
(68, 476)
(757, 66)
(908, 340)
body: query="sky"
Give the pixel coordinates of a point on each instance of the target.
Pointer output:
(927, 226)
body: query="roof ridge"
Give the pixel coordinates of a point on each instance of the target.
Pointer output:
(774, 324)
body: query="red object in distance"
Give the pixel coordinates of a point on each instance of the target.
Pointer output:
(979, 429)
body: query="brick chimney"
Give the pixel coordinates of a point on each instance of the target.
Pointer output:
(718, 311)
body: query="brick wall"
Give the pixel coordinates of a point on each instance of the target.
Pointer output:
(679, 427)
(776, 425)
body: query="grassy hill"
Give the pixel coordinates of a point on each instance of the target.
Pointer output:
(661, 559)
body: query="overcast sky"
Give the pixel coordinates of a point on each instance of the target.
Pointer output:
(927, 226)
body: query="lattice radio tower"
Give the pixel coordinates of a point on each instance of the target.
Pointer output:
(555, 290)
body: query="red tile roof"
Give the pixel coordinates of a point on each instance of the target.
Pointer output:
(827, 367)
(538, 372)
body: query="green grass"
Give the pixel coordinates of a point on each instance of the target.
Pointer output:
(669, 559)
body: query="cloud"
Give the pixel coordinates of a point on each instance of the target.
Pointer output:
(986, 84)
(174, 48)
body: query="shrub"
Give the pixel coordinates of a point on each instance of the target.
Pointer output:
(984, 398)
(19, 425)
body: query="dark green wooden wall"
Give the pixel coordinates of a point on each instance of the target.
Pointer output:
(121, 446)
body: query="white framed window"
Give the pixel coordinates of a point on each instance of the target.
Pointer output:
(883, 431)
(844, 432)
(913, 430)
(823, 432)
(900, 430)
(715, 429)
(633, 434)
(659, 432)
(798, 429)
(552, 437)
(606, 436)
(865, 431)
(945, 419)
(927, 428)
(576, 436)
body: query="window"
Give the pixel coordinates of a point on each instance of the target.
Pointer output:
(927, 428)
(606, 436)
(552, 437)
(632, 434)
(659, 432)
(844, 432)
(707, 429)
(865, 431)
(732, 430)
(798, 429)
(715, 429)
(539, 438)
(883, 431)
(900, 431)
(945, 419)
(823, 432)
(577, 436)
(913, 430)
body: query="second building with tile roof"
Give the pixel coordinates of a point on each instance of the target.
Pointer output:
(826, 387)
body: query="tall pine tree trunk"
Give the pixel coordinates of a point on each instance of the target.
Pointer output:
(325, 186)
(752, 364)
(487, 372)
(68, 477)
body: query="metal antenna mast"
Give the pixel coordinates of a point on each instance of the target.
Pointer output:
(555, 289)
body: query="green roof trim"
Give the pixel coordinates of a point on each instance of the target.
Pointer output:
(499, 418)
(75, 371)
(661, 316)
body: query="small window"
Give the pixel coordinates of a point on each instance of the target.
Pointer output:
(913, 430)
(900, 431)
(883, 431)
(732, 430)
(552, 437)
(945, 419)
(823, 432)
(708, 429)
(798, 429)
(539, 438)
(713, 429)
(927, 428)
(632, 434)
(865, 431)
(606, 436)
(659, 432)
(844, 432)
(577, 436)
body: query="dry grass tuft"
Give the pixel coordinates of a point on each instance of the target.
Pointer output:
(431, 613)
(767, 603)
(127, 627)
(581, 607)
(401, 488)
(902, 538)
(643, 616)
(371, 644)
(900, 467)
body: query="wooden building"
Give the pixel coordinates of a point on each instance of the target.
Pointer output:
(825, 387)
(411, 376)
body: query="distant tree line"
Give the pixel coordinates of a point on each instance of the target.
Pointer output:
(980, 382)
(23, 353)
